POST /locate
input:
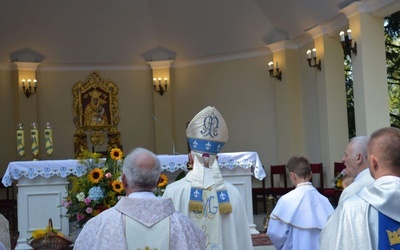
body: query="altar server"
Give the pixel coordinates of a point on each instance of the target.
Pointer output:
(297, 220)
(370, 219)
(140, 220)
(212, 203)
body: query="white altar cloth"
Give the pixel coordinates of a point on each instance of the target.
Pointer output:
(171, 163)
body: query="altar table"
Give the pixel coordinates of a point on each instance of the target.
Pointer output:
(42, 187)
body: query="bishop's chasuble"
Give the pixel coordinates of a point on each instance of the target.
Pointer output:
(232, 231)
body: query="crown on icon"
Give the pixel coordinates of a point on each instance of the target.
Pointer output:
(394, 237)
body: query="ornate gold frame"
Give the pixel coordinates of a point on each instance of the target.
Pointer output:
(96, 113)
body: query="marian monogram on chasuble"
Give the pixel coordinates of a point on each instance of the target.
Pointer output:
(389, 233)
(209, 218)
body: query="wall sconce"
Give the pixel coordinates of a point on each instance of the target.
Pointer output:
(314, 56)
(161, 90)
(278, 74)
(28, 90)
(347, 43)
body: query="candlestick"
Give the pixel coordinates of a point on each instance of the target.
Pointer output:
(349, 34)
(271, 65)
(48, 139)
(308, 54)
(341, 34)
(20, 140)
(35, 140)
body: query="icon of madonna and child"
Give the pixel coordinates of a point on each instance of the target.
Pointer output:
(97, 110)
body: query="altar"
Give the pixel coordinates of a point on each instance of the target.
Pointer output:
(42, 185)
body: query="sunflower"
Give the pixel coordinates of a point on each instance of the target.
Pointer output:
(95, 175)
(38, 233)
(116, 154)
(163, 181)
(117, 186)
(339, 183)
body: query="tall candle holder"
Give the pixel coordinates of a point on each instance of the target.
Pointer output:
(35, 141)
(20, 140)
(48, 139)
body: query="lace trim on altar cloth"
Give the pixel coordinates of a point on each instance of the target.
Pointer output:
(171, 163)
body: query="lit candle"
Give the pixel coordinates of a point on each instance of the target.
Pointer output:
(48, 138)
(20, 140)
(23, 82)
(308, 54)
(349, 34)
(277, 65)
(159, 80)
(165, 80)
(154, 81)
(35, 139)
(34, 83)
(314, 52)
(29, 82)
(271, 65)
(341, 36)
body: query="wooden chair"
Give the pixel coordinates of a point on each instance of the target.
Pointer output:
(8, 205)
(317, 170)
(331, 193)
(260, 194)
(278, 190)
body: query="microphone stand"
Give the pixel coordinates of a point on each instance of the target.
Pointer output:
(166, 132)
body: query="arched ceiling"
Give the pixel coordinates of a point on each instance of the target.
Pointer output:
(130, 31)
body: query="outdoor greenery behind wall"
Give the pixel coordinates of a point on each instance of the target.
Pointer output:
(392, 29)
(392, 33)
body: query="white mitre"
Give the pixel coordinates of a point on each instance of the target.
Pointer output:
(207, 134)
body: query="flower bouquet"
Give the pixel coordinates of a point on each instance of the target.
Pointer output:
(339, 179)
(96, 190)
(162, 184)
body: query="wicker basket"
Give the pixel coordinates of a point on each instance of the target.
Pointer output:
(50, 241)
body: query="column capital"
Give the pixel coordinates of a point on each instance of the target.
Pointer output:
(165, 64)
(282, 45)
(26, 65)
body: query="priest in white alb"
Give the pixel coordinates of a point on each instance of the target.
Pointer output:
(212, 203)
(370, 219)
(141, 220)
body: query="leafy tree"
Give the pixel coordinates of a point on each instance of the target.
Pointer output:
(348, 71)
(392, 29)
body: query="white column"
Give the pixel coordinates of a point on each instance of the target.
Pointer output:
(332, 108)
(163, 108)
(369, 69)
(288, 101)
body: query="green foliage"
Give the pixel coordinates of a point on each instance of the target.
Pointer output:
(351, 121)
(392, 33)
